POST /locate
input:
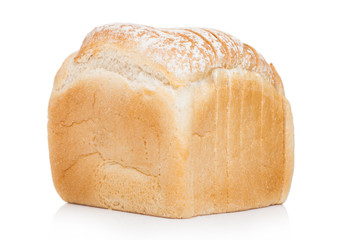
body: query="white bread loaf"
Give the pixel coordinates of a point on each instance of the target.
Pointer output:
(169, 122)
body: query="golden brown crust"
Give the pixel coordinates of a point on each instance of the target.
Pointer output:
(124, 140)
(289, 151)
(113, 147)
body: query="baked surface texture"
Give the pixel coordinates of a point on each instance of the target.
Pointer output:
(169, 122)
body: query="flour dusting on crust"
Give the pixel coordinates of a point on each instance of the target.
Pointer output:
(183, 54)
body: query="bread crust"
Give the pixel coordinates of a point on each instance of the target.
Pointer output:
(181, 55)
(216, 138)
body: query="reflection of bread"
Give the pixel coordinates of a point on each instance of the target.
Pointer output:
(169, 122)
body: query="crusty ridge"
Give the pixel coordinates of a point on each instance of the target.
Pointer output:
(181, 55)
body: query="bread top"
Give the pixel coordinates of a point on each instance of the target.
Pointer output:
(177, 56)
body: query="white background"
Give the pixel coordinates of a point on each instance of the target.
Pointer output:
(301, 38)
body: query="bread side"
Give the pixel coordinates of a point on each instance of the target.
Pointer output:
(118, 147)
(241, 144)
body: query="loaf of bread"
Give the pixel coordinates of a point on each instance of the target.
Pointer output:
(169, 122)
